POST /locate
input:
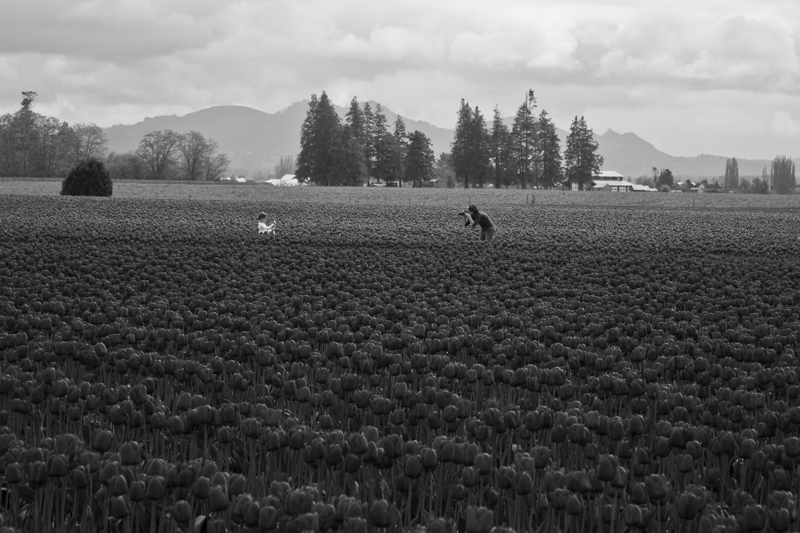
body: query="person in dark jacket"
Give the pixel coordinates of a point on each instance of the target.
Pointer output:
(482, 219)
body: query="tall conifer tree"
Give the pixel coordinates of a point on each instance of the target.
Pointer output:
(581, 160)
(499, 148)
(551, 173)
(525, 141)
(460, 147)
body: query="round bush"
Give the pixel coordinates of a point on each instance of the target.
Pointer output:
(88, 178)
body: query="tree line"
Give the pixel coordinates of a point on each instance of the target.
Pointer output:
(34, 145)
(361, 150)
(526, 155)
(167, 155)
(779, 179)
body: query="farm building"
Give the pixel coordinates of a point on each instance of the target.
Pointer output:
(614, 186)
(620, 186)
(611, 180)
(705, 188)
(608, 175)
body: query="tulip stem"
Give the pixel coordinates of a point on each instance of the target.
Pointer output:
(63, 513)
(408, 505)
(614, 510)
(422, 494)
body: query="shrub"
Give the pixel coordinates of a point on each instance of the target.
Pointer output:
(88, 178)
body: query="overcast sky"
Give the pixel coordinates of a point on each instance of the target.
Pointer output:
(691, 76)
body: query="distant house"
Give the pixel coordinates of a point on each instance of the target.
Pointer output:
(620, 186)
(608, 175)
(613, 186)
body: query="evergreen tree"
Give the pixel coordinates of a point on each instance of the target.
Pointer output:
(389, 161)
(319, 140)
(402, 139)
(549, 153)
(782, 175)
(499, 149)
(379, 124)
(419, 160)
(350, 166)
(444, 170)
(461, 145)
(581, 160)
(355, 119)
(524, 142)
(305, 160)
(378, 134)
(480, 155)
(369, 140)
(400, 131)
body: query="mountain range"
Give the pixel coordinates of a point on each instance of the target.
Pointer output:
(255, 141)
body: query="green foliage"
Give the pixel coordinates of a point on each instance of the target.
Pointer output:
(389, 159)
(665, 179)
(198, 157)
(126, 166)
(460, 147)
(730, 180)
(158, 150)
(471, 150)
(500, 150)
(88, 178)
(782, 175)
(419, 161)
(525, 142)
(350, 165)
(551, 172)
(319, 138)
(581, 160)
(34, 145)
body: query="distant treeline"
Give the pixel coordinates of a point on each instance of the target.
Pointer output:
(34, 145)
(362, 149)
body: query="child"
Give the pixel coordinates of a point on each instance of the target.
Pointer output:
(262, 225)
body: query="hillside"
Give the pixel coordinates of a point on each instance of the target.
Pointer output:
(632, 156)
(255, 140)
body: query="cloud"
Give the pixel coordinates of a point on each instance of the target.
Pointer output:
(784, 125)
(645, 64)
(733, 52)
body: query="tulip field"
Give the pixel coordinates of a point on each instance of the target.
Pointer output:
(377, 368)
